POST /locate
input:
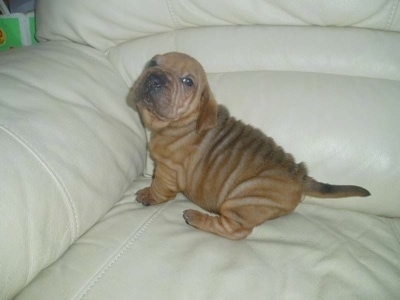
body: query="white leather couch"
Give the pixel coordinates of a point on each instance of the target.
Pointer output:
(321, 77)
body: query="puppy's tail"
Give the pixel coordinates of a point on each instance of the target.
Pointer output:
(317, 189)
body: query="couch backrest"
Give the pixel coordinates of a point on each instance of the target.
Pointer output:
(103, 24)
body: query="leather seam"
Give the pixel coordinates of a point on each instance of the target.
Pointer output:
(392, 14)
(125, 248)
(173, 14)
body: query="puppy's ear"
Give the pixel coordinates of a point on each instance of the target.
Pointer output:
(208, 111)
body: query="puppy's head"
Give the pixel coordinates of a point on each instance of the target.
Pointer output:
(173, 90)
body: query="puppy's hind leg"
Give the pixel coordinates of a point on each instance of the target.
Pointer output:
(220, 225)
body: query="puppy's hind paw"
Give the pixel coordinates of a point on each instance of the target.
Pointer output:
(193, 217)
(186, 217)
(189, 215)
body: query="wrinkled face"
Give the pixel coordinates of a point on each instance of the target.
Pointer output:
(170, 89)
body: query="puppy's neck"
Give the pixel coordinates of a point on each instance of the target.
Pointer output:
(176, 129)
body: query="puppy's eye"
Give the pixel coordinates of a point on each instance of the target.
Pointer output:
(187, 81)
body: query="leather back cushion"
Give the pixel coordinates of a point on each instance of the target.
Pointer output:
(102, 24)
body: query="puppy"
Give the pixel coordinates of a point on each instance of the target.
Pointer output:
(226, 167)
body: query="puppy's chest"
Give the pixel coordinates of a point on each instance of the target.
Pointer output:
(172, 152)
(181, 157)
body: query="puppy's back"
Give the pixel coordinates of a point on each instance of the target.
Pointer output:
(233, 153)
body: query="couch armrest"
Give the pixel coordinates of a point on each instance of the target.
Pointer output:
(69, 148)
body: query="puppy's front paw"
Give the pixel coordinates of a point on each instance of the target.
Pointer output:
(145, 197)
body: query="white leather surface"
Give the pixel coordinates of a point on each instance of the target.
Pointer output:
(69, 148)
(333, 103)
(102, 24)
(138, 252)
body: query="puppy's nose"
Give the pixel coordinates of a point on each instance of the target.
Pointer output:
(155, 81)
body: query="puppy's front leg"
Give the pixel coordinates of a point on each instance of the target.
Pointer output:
(163, 187)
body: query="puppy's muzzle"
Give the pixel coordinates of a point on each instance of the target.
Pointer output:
(153, 93)
(154, 83)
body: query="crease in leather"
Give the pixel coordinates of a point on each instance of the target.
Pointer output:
(73, 217)
(396, 227)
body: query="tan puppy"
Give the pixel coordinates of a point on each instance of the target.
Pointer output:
(224, 166)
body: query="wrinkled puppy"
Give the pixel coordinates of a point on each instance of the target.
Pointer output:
(224, 166)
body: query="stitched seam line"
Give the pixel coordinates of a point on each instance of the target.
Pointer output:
(116, 257)
(392, 14)
(63, 191)
(174, 17)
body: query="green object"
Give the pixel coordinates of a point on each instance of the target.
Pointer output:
(17, 30)
(32, 27)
